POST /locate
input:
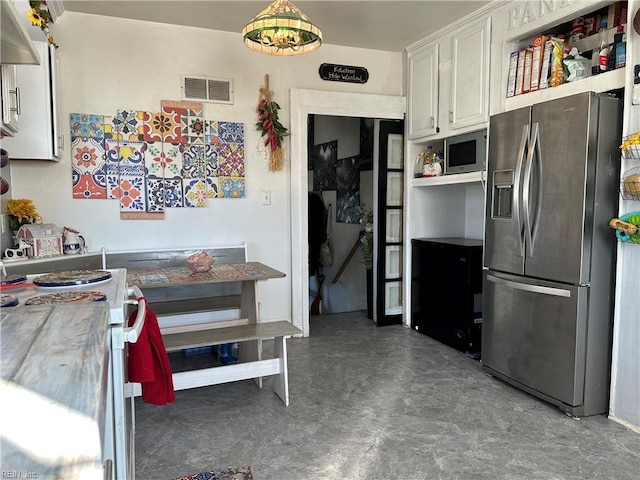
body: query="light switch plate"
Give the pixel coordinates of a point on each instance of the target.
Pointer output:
(635, 96)
(266, 197)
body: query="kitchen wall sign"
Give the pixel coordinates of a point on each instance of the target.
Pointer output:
(343, 73)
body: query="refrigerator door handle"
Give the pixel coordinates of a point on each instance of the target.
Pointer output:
(525, 287)
(531, 218)
(526, 190)
(538, 172)
(517, 185)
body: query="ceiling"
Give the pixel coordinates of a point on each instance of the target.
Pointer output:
(379, 25)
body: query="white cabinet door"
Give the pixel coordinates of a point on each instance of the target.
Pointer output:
(10, 99)
(39, 137)
(470, 75)
(423, 92)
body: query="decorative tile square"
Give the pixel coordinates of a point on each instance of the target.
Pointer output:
(174, 135)
(193, 126)
(231, 132)
(212, 187)
(172, 157)
(211, 139)
(87, 186)
(154, 160)
(131, 158)
(132, 193)
(113, 186)
(173, 192)
(211, 157)
(87, 154)
(155, 194)
(231, 160)
(129, 125)
(157, 126)
(87, 125)
(193, 162)
(109, 127)
(195, 193)
(231, 187)
(112, 156)
(100, 179)
(212, 131)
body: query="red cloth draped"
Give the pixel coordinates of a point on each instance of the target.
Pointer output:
(148, 362)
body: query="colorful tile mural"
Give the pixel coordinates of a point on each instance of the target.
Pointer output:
(151, 161)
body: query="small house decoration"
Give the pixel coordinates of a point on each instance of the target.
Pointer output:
(45, 239)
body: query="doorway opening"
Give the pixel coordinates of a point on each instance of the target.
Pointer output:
(340, 183)
(302, 104)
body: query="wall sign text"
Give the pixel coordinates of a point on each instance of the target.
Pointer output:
(525, 12)
(343, 73)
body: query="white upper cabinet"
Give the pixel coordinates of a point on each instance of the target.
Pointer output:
(9, 100)
(448, 82)
(470, 75)
(39, 137)
(423, 91)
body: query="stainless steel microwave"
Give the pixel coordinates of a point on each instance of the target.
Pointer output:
(465, 153)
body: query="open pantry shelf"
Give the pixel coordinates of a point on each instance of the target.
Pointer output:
(457, 178)
(598, 83)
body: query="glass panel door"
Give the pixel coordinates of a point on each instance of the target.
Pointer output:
(389, 224)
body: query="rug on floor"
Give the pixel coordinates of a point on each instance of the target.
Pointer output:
(240, 473)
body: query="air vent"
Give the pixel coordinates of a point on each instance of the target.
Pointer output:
(203, 89)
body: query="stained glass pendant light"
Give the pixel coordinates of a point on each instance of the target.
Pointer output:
(282, 29)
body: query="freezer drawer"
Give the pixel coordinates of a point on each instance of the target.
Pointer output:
(534, 333)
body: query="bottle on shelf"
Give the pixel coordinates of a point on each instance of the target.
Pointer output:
(418, 166)
(619, 55)
(595, 61)
(603, 54)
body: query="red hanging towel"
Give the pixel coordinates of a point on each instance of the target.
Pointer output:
(149, 362)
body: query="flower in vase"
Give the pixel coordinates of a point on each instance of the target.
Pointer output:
(21, 211)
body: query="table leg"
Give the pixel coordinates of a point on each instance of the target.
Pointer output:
(250, 351)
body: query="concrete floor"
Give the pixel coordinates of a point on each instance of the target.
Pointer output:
(378, 403)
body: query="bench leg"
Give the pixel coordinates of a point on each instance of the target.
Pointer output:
(281, 380)
(250, 351)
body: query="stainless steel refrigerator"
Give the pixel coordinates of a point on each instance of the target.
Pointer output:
(549, 258)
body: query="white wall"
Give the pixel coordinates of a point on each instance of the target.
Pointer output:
(111, 63)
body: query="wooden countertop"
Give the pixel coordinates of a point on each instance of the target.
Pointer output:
(54, 365)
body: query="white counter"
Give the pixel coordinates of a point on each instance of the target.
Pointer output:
(53, 364)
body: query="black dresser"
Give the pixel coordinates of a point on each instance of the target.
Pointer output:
(446, 290)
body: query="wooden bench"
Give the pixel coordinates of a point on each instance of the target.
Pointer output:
(247, 368)
(195, 315)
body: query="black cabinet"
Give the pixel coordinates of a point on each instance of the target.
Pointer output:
(446, 290)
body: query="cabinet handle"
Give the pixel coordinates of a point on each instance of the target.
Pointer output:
(61, 142)
(108, 469)
(450, 116)
(432, 122)
(16, 92)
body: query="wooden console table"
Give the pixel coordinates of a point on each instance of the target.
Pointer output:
(247, 330)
